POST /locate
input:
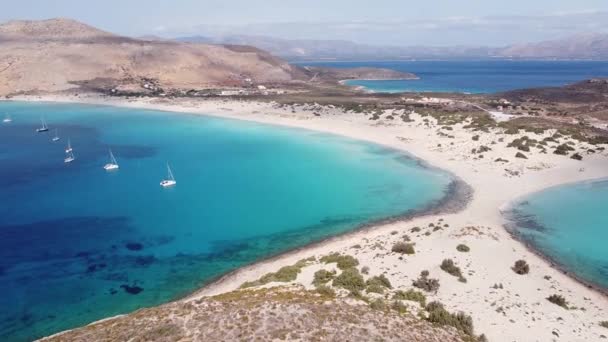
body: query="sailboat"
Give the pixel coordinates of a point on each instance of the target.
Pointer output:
(7, 119)
(112, 165)
(44, 127)
(69, 157)
(170, 181)
(69, 148)
(56, 137)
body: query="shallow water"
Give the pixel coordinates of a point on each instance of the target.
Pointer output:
(476, 76)
(79, 244)
(568, 224)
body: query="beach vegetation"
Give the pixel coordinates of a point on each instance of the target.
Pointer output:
(365, 270)
(399, 307)
(520, 155)
(284, 275)
(343, 261)
(378, 304)
(350, 279)
(439, 315)
(403, 248)
(463, 248)
(521, 267)
(425, 283)
(450, 267)
(558, 300)
(563, 149)
(325, 291)
(604, 324)
(415, 230)
(378, 284)
(411, 295)
(323, 277)
(576, 156)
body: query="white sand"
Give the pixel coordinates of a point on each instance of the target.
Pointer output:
(519, 311)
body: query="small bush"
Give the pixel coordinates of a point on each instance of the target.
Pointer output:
(350, 279)
(365, 270)
(604, 324)
(438, 314)
(378, 304)
(425, 283)
(399, 307)
(563, 149)
(576, 156)
(558, 300)
(463, 248)
(450, 267)
(415, 230)
(403, 248)
(521, 267)
(520, 155)
(323, 277)
(411, 295)
(343, 261)
(325, 291)
(380, 280)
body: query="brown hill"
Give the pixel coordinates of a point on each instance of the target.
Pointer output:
(58, 54)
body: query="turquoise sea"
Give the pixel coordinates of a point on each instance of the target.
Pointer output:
(569, 225)
(486, 76)
(79, 244)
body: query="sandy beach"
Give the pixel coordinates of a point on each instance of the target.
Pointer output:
(514, 311)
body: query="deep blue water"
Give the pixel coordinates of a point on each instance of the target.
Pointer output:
(476, 76)
(569, 224)
(79, 244)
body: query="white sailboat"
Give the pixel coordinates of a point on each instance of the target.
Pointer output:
(112, 165)
(56, 137)
(7, 119)
(69, 148)
(43, 128)
(69, 157)
(170, 181)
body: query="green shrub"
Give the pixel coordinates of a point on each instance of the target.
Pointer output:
(403, 248)
(284, 274)
(350, 279)
(563, 149)
(521, 267)
(576, 156)
(558, 300)
(439, 315)
(399, 307)
(378, 284)
(425, 283)
(415, 230)
(463, 248)
(604, 324)
(343, 261)
(323, 276)
(325, 291)
(520, 155)
(378, 304)
(450, 267)
(411, 295)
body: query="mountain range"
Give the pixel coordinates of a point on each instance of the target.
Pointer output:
(588, 46)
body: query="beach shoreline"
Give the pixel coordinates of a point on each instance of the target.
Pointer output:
(493, 188)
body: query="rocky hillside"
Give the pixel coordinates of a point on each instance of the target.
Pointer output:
(582, 46)
(60, 54)
(264, 315)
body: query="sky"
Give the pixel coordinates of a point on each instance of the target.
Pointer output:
(380, 22)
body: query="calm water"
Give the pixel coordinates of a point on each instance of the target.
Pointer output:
(569, 224)
(477, 76)
(78, 243)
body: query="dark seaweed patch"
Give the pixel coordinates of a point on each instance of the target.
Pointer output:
(131, 289)
(134, 246)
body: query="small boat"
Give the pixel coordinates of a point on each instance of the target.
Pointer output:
(7, 119)
(69, 148)
(69, 158)
(170, 181)
(56, 137)
(112, 165)
(44, 127)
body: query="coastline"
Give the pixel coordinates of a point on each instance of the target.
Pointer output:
(484, 209)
